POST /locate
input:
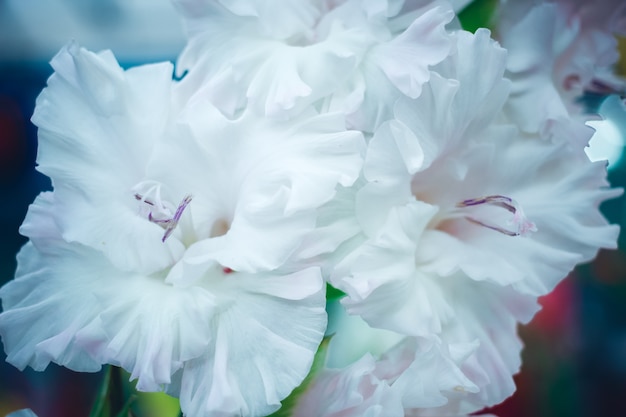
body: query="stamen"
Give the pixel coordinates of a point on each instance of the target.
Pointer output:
(521, 226)
(160, 212)
(143, 199)
(605, 87)
(170, 224)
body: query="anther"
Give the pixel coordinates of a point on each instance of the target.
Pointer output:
(141, 198)
(520, 225)
(171, 223)
(159, 211)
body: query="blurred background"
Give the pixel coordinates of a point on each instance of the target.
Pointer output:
(575, 355)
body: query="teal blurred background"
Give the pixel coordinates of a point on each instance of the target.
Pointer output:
(575, 356)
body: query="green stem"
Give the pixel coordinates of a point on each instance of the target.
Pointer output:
(116, 391)
(112, 397)
(101, 404)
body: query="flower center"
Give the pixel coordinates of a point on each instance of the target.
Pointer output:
(496, 212)
(157, 210)
(220, 228)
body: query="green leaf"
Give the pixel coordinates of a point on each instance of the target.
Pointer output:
(333, 293)
(289, 403)
(101, 406)
(157, 404)
(478, 14)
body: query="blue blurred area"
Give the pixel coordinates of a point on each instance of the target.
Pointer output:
(135, 30)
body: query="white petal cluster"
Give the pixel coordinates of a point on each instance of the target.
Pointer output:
(197, 218)
(280, 57)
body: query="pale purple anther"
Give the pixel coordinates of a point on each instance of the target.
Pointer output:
(173, 222)
(521, 225)
(169, 224)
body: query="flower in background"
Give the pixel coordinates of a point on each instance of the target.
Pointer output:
(558, 50)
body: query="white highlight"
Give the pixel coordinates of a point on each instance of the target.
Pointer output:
(608, 141)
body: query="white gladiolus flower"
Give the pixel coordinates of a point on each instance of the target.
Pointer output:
(169, 243)
(358, 55)
(468, 221)
(558, 50)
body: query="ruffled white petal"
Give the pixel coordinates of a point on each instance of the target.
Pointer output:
(489, 314)
(399, 67)
(263, 345)
(279, 19)
(405, 59)
(39, 323)
(151, 328)
(432, 373)
(384, 269)
(349, 392)
(458, 104)
(336, 227)
(533, 44)
(478, 64)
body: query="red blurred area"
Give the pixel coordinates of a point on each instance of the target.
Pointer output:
(13, 140)
(552, 342)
